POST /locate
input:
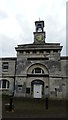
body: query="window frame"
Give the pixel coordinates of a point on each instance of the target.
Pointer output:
(35, 69)
(5, 65)
(6, 85)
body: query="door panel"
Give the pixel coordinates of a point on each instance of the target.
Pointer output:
(37, 91)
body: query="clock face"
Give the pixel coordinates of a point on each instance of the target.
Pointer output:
(39, 37)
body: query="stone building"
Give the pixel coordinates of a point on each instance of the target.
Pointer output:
(37, 71)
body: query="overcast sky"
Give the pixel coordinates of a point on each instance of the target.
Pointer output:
(17, 19)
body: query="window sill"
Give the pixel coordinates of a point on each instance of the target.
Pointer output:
(37, 75)
(4, 70)
(4, 89)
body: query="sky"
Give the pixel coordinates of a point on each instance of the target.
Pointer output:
(17, 19)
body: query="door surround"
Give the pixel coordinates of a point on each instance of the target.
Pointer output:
(37, 88)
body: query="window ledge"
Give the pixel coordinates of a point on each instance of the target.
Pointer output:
(37, 75)
(4, 89)
(4, 70)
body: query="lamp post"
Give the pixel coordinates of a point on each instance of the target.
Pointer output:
(10, 101)
(11, 94)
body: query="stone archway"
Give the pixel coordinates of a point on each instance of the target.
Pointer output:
(37, 79)
(37, 65)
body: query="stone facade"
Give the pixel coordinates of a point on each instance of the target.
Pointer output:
(38, 70)
(7, 74)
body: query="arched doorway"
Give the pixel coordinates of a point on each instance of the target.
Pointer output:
(37, 88)
(37, 79)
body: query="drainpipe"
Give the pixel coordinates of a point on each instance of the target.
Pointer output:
(15, 75)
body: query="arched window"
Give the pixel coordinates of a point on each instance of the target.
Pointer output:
(37, 71)
(4, 84)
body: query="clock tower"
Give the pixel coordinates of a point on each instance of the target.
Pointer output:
(39, 35)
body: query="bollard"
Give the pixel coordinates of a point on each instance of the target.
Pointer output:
(46, 102)
(11, 102)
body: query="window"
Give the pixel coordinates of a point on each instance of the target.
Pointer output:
(5, 65)
(37, 70)
(28, 90)
(4, 84)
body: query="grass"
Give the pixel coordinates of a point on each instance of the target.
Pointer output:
(29, 107)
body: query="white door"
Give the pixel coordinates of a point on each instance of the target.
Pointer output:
(37, 91)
